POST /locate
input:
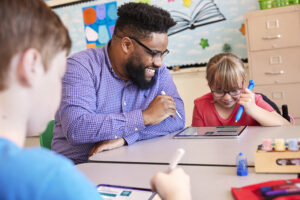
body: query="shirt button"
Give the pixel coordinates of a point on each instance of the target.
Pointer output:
(136, 129)
(125, 103)
(116, 137)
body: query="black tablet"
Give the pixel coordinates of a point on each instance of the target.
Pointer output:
(217, 132)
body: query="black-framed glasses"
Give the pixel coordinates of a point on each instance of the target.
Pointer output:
(233, 93)
(154, 53)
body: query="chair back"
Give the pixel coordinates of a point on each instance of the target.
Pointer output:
(270, 102)
(47, 135)
(285, 112)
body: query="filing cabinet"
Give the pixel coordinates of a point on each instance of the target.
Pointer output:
(273, 43)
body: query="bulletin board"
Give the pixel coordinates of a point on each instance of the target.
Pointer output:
(55, 3)
(204, 27)
(99, 23)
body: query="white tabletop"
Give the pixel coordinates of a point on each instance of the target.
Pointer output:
(198, 151)
(206, 182)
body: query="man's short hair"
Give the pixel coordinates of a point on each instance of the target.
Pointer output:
(28, 24)
(140, 20)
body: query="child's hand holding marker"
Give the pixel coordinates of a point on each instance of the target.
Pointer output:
(247, 101)
(175, 184)
(175, 160)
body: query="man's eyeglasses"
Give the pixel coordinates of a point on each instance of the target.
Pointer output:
(233, 93)
(154, 53)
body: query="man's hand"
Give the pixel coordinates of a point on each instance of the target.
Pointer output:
(107, 145)
(159, 109)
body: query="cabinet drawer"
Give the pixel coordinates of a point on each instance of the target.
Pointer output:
(283, 94)
(280, 66)
(274, 31)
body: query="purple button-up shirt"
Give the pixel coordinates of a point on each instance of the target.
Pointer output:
(97, 105)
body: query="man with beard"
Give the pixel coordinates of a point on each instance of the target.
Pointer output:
(113, 96)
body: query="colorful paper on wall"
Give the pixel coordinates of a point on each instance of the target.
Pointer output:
(99, 23)
(183, 45)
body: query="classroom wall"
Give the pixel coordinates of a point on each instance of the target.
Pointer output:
(190, 83)
(188, 46)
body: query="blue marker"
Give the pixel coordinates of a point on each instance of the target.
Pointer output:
(241, 109)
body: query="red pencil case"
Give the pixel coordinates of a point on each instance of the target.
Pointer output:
(253, 191)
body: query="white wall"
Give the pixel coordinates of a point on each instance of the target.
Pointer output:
(191, 83)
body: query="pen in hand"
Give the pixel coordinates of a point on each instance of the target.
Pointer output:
(163, 93)
(241, 108)
(175, 160)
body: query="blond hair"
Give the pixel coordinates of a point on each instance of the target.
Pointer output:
(28, 24)
(225, 72)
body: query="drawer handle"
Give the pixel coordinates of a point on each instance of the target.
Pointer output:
(272, 24)
(274, 60)
(275, 73)
(271, 37)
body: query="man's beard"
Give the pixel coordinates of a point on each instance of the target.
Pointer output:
(137, 75)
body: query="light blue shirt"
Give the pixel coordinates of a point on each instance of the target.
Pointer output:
(37, 173)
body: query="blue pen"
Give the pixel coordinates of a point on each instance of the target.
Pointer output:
(241, 109)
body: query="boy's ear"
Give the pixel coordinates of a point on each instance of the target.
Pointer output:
(28, 67)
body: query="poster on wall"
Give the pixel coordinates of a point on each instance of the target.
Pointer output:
(99, 23)
(205, 12)
(59, 2)
(204, 27)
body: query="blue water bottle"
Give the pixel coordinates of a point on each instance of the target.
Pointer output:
(241, 165)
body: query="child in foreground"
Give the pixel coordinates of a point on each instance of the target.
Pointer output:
(226, 76)
(34, 45)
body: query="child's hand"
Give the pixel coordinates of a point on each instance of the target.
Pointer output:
(247, 99)
(172, 186)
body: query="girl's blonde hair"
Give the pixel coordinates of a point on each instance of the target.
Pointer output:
(225, 72)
